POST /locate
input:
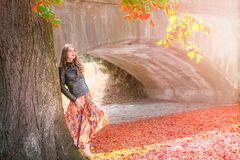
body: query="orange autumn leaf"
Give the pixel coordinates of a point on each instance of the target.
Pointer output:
(125, 9)
(144, 16)
(54, 25)
(51, 18)
(135, 15)
(34, 7)
(156, 5)
(127, 18)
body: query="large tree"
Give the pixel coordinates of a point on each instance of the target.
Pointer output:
(32, 124)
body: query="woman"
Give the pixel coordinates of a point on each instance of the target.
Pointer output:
(82, 116)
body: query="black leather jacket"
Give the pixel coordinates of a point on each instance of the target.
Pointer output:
(75, 83)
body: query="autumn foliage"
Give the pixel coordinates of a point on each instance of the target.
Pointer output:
(177, 32)
(42, 7)
(179, 28)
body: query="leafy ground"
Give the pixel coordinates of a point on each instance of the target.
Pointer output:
(204, 134)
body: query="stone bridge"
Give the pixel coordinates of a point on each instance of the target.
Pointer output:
(97, 28)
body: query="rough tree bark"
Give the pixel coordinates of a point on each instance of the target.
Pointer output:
(32, 123)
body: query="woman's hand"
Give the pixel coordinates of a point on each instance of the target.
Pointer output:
(78, 104)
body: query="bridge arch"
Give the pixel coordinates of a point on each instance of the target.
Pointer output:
(97, 28)
(167, 74)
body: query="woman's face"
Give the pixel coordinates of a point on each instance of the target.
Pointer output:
(71, 54)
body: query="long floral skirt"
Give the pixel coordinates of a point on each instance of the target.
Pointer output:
(84, 123)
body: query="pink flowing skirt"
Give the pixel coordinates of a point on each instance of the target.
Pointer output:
(84, 123)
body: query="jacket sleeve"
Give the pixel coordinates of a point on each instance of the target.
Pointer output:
(64, 90)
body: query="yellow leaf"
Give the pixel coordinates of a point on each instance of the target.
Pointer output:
(186, 15)
(169, 29)
(189, 47)
(184, 20)
(186, 33)
(201, 26)
(177, 40)
(195, 28)
(198, 58)
(165, 43)
(172, 19)
(167, 36)
(180, 35)
(191, 54)
(168, 11)
(183, 26)
(159, 42)
(206, 31)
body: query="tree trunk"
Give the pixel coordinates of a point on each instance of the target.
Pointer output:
(32, 124)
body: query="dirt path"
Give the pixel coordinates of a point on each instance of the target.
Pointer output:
(119, 113)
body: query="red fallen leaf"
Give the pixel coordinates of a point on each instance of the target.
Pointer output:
(189, 141)
(141, 132)
(184, 145)
(142, 146)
